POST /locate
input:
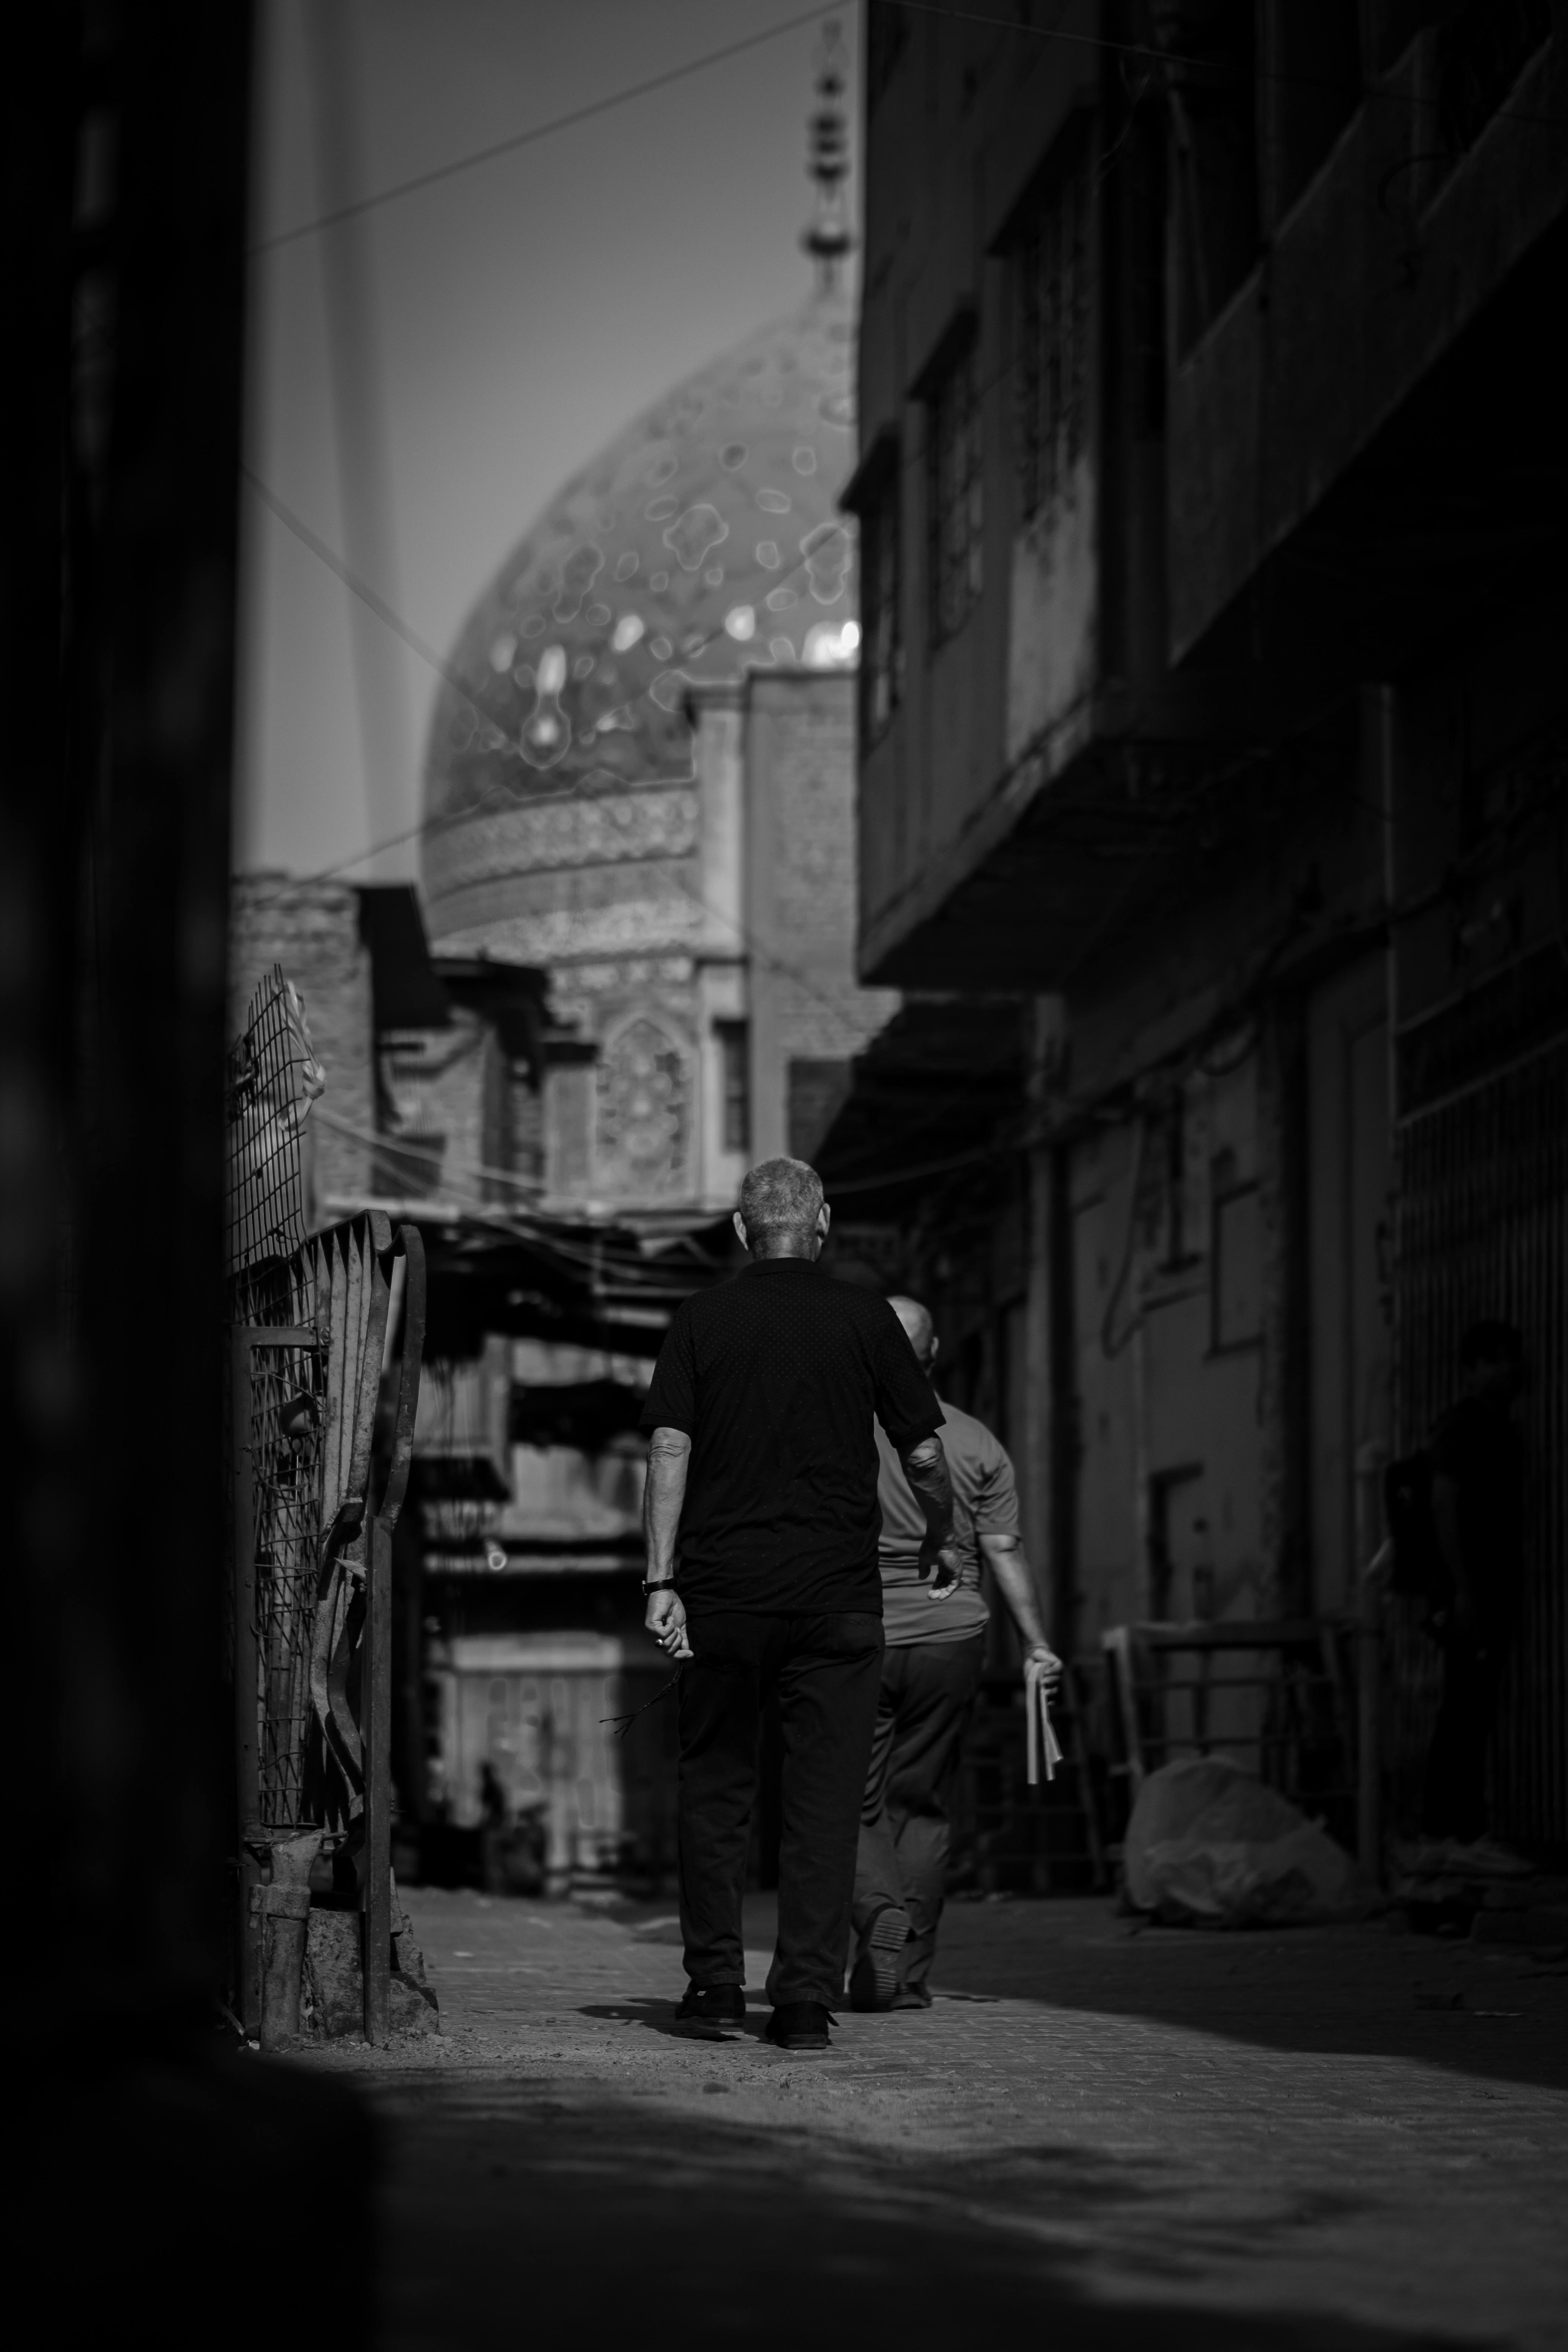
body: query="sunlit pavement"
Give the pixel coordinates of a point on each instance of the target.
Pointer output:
(1335, 2138)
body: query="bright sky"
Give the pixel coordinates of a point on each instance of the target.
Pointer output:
(424, 377)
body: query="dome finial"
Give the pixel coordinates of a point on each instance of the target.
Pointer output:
(827, 239)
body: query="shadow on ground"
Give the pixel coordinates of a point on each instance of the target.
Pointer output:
(1358, 1990)
(594, 2219)
(1352, 1992)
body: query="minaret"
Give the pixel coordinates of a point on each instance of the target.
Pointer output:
(827, 239)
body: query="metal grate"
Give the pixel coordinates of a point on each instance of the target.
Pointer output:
(287, 1406)
(275, 1422)
(272, 1079)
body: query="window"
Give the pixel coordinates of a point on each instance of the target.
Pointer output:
(1051, 317)
(735, 1058)
(881, 600)
(955, 492)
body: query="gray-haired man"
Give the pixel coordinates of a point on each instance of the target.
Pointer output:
(763, 1416)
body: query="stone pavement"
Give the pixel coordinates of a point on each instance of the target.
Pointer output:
(1337, 2138)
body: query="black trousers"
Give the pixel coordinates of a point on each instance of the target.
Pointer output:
(1454, 1798)
(826, 1671)
(923, 1709)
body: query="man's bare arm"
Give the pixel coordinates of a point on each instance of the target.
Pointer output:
(669, 1456)
(1010, 1566)
(925, 1468)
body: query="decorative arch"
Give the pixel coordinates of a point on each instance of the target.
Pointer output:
(642, 1142)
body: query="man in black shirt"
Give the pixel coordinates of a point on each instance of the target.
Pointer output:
(764, 1456)
(1478, 1491)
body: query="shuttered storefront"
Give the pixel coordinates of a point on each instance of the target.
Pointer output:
(1483, 1230)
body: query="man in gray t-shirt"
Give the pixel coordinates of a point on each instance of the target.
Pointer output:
(934, 1630)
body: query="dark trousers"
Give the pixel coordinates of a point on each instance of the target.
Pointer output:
(923, 1709)
(1454, 1798)
(825, 1670)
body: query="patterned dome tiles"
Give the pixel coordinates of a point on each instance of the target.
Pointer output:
(705, 540)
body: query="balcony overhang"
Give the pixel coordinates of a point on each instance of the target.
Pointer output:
(523, 1274)
(940, 1087)
(1136, 794)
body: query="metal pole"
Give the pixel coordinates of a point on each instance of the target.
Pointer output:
(253, 1867)
(376, 1718)
(409, 1249)
(378, 1787)
(247, 1677)
(1374, 1553)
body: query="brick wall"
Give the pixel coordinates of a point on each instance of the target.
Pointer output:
(312, 930)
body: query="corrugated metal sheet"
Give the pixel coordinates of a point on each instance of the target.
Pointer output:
(1483, 1231)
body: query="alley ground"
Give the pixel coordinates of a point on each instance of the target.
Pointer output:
(1335, 2138)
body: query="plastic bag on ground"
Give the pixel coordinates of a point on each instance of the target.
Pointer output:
(1208, 1846)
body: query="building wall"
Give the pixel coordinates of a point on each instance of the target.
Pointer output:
(808, 1007)
(311, 930)
(991, 711)
(1350, 304)
(1480, 1080)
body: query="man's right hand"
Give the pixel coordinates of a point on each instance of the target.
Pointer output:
(665, 1618)
(944, 1563)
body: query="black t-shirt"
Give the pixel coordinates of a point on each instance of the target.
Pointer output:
(1478, 1446)
(778, 1378)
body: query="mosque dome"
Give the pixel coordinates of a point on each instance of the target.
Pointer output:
(704, 541)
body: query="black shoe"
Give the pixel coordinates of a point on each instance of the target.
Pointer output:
(874, 1978)
(912, 1997)
(712, 2005)
(801, 2025)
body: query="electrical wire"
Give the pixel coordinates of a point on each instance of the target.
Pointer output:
(534, 1226)
(1144, 52)
(520, 138)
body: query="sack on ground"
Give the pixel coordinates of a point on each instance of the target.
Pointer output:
(1209, 1845)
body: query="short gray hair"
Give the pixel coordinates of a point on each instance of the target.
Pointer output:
(780, 1196)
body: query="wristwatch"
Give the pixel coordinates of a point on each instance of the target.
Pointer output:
(659, 1584)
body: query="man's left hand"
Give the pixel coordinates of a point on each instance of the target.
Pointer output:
(1049, 1662)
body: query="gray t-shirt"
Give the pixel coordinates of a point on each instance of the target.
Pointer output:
(984, 1503)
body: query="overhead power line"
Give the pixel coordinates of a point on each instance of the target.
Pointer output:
(519, 139)
(1144, 51)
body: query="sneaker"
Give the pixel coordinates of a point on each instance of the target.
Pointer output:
(800, 2025)
(912, 1997)
(712, 2005)
(874, 1978)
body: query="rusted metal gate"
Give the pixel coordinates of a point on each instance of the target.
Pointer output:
(317, 1482)
(1483, 1230)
